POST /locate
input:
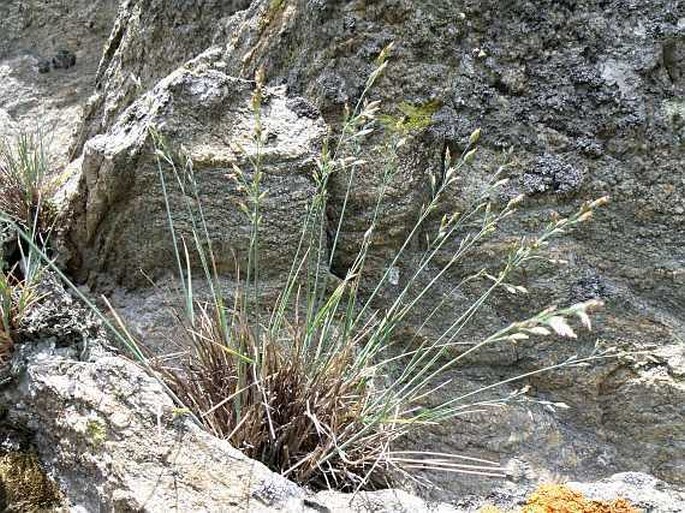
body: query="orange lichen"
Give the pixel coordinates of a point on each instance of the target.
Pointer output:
(489, 509)
(555, 498)
(558, 498)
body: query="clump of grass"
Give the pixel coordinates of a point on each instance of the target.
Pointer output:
(309, 385)
(25, 191)
(25, 185)
(16, 298)
(266, 395)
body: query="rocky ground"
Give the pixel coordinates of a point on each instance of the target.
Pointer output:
(49, 56)
(113, 440)
(587, 94)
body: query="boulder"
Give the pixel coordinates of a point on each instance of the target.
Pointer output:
(119, 220)
(642, 490)
(49, 55)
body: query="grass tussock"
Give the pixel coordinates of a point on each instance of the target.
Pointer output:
(16, 298)
(25, 211)
(318, 385)
(272, 400)
(25, 185)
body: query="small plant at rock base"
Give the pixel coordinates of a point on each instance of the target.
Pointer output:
(412, 118)
(16, 298)
(96, 431)
(305, 388)
(25, 206)
(25, 185)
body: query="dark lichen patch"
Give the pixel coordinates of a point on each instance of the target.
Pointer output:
(24, 486)
(551, 173)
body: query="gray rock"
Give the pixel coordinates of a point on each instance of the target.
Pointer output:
(643, 491)
(209, 115)
(109, 434)
(552, 173)
(149, 40)
(64, 59)
(44, 66)
(34, 38)
(112, 438)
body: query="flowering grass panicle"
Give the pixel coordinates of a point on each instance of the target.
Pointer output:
(315, 384)
(302, 384)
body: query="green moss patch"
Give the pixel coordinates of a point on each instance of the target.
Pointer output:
(24, 486)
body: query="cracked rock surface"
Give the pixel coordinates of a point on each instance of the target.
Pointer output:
(589, 96)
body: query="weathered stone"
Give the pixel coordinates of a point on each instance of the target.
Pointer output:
(642, 490)
(33, 37)
(109, 434)
(64, 59)
(149, 40)
(209, 116)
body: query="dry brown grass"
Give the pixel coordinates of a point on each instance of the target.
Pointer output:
(270, 398)
(8, 318)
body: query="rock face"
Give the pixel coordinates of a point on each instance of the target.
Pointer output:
(210, 116)
(127, 451)
(49, 55)
(113, 440)
(149, 39)
(588, 95)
